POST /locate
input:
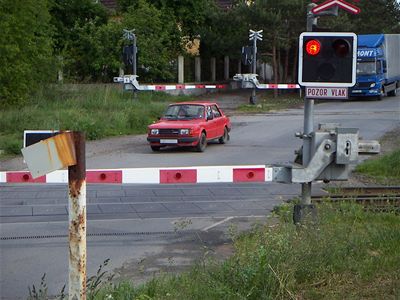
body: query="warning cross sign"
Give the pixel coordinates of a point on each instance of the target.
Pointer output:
(340, 3)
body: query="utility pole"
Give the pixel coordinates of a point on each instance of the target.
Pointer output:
(130, 35)
(308, 120)
(305, 208)
(254, 36)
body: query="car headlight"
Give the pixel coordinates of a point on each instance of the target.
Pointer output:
(154, 131)
(372, 84)
(184, 131)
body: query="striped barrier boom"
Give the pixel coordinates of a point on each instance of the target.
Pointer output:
(209, 174)
(279, 86)
(131, 80)
(180, 87)
(250, 81)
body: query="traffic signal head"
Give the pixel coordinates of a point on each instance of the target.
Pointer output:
(327, 59)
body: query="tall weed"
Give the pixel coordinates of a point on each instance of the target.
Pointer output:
(349, 254)
(98, 110)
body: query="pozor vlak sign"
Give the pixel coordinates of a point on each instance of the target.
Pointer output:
(326, 92)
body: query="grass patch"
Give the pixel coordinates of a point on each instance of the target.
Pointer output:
(384, 169)
(266, 103)
(350, 254)
(98, 110)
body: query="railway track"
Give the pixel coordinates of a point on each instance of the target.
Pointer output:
(373, 198)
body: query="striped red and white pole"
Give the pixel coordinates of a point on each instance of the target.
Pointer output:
(199, 174)
(278, 86)
(180, 87)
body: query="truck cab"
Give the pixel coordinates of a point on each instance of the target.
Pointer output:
(373, 57)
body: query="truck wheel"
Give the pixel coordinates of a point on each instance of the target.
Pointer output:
(201, 146)
(393, 93)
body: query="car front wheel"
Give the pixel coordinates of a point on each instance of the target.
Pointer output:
(201, 146)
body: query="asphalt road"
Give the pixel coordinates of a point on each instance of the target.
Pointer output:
(145, 229)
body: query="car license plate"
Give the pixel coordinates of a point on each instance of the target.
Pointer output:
(168, 141)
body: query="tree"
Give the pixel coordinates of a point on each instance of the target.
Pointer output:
(25, 49)
(380, 16)
(223, 33)
(190, 15)
(384, 13)
(157, 40)
(94, 55)
(282, 22)
(76, 23)
(69, 15)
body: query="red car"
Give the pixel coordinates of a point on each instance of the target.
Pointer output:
(189, 124)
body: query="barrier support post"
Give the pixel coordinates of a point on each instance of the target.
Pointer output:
(77, 220)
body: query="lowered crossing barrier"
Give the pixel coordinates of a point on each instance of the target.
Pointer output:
(250, 81)
(131, 83)
(199, 174)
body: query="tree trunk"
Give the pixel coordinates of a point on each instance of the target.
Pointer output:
(279, 62)
(286, 72)
(294, 70)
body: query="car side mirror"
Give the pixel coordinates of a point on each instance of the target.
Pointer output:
(210, 117)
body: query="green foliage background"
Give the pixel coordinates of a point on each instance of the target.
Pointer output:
(25, 48)
(84, 40)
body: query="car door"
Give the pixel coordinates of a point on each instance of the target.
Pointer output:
(210, 124)
(218, 121)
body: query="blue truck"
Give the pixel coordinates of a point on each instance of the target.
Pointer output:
(378, 66)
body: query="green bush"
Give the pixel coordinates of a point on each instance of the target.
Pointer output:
(11, 146)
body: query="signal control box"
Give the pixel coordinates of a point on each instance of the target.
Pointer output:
(345, 153)
(333, 149)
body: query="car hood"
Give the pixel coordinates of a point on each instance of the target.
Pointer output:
(176, 123)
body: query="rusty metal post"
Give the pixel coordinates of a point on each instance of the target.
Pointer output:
(77, 221)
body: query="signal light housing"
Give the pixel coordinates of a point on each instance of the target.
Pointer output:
(327, 59)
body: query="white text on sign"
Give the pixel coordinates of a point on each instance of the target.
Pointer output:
(326, 93)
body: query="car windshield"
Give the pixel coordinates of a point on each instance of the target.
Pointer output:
(184, 112)
(366, 68)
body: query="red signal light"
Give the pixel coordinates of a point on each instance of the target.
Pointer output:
(341, 47)
(313, 47)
